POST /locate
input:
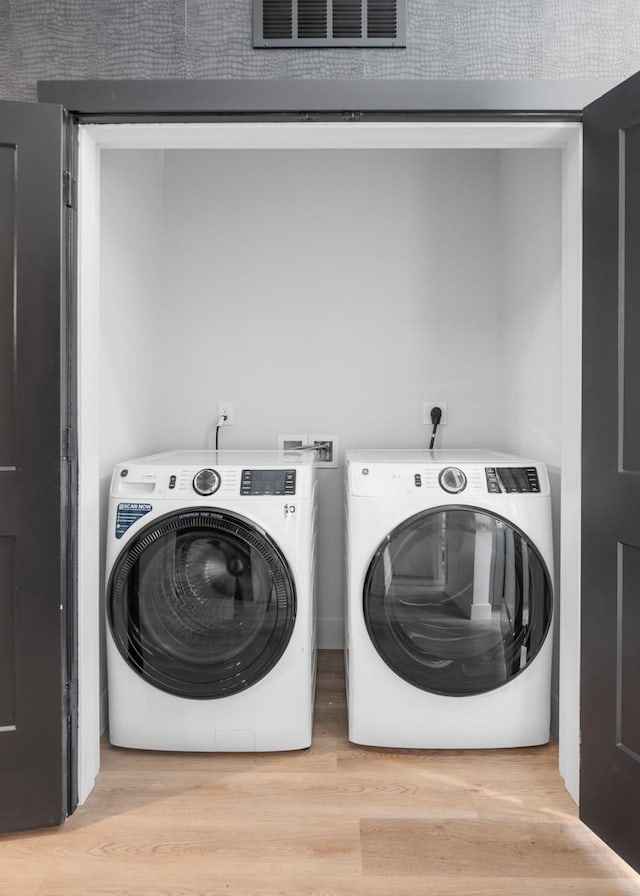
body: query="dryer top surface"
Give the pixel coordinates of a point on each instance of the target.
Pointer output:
(439, 457)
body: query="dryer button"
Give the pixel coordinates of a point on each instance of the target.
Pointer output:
(452, 480)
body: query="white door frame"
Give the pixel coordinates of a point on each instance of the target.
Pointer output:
(565, 136)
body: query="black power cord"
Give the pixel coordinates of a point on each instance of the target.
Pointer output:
(218, 425)
(436, 417)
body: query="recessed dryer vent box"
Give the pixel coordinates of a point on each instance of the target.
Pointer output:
(326, 457)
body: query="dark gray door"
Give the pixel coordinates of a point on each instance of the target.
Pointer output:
(610, 714)
(35, 783)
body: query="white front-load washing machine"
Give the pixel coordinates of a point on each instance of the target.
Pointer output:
(449, 599)
(211, 635)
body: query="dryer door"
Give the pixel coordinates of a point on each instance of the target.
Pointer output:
(201, 604)
(457, 601)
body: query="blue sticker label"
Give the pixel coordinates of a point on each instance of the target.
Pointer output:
(128, 514)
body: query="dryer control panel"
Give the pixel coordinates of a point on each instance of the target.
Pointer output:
(450, 482)
(512, 479)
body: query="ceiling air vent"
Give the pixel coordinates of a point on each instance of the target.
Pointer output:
(312, 20)
(278, 24)
(347, 19)
(329, 23)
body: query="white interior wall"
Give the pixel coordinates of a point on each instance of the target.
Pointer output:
(531, 314)
(531, 301)
(130, 317)
(330, 292)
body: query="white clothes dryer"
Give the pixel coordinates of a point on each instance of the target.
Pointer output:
(211, 635)
(449, 599)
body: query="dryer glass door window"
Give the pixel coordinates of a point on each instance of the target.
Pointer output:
(201, 604)
(457, 601)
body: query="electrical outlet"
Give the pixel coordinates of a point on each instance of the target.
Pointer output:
(290, 443)
(225, 409)
(426, 412)
(326, 457)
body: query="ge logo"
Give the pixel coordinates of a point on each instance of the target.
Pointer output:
(289, 508)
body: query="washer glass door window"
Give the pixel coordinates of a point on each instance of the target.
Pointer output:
(201, 604)
(457, 601)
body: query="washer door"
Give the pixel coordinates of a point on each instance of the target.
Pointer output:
(201, 604)
(457, 601)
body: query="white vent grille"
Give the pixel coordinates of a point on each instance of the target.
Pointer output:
(329, 23)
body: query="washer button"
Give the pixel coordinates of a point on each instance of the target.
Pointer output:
(206, 482)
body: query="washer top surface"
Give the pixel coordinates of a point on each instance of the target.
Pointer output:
(211, 458)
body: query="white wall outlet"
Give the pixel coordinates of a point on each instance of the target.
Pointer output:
(291, 442)
(326, 458)
(225, 409)
(426, 412)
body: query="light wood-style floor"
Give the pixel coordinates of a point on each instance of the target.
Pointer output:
(335, 819)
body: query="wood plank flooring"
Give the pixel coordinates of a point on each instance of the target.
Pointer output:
(335, 820)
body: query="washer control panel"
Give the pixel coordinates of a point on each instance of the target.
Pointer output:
(211, 479)
(268, 482)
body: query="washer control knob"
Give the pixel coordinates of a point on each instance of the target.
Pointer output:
(206, 482)
(452, 480)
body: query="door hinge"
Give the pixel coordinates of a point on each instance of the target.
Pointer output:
(70, 700)
(70, 189)
(67, 445)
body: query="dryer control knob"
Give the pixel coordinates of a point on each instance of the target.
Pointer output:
(452, 480)
(206, 482)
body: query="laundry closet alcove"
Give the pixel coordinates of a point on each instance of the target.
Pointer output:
(329, 277)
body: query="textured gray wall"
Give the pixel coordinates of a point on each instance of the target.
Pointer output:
(42, 39)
